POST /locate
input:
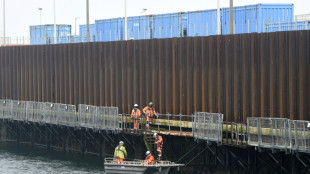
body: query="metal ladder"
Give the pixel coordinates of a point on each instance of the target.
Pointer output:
(149, 141)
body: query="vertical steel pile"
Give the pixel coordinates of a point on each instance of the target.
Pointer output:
(249, 75)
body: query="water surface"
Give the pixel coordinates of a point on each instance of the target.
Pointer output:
(15, 158)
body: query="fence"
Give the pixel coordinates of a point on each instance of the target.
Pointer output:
(268, 132)
(14, 41)
(99, 117)
(95, 117)
(108, 118)
(67, 114)
(287, 26)
(300, 135)
(6, 107)
(87, 115)
(208, 126)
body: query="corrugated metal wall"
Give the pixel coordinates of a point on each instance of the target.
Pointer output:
(238, 75)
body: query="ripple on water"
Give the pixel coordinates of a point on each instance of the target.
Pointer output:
(21, 159)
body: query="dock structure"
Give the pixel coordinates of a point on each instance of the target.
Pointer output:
(96, 130)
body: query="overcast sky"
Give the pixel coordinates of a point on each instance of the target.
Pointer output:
(20, 14)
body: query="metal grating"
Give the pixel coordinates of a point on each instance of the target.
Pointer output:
(29, 111)
(50, 113)
(6, 108)
(253, 134)
(67, 115)
(38, 112)
(208, 126)
(19, 110)
(300, 135)
(268, 132)
(108, 119)
(87, 115)
(281, 133)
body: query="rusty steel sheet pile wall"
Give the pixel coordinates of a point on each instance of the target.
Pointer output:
(249, 75)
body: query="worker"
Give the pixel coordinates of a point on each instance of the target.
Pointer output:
(149, 160)
(149, 113)
(135, 115)
(120, 153)
(160, 143)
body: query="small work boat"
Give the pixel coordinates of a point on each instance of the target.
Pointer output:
(138, 167)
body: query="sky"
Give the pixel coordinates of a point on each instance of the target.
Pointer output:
(20, 14)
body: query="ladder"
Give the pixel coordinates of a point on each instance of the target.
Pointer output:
(149, 141)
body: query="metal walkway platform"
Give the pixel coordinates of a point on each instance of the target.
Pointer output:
(269, 133)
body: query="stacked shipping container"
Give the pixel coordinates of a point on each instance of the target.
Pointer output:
(247, 19)
(44, 34)
(83, 31)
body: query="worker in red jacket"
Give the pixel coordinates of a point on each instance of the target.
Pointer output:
(160, 143)
(149, 160)
(149, 113)
(135, 115)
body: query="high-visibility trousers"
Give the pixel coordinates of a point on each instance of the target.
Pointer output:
(120, 160)
(159, 150)
(136, 124)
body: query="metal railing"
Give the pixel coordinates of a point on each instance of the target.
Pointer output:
(67, 116)
(208, 126)
(300, 135)
(164, 122)
(272, 133)
(95, 117)
(268, 132)
(87, 115)
(234, 133)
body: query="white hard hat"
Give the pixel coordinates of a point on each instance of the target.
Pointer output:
(121, 142)
(136, 105)
(147, 152)
(155, 134)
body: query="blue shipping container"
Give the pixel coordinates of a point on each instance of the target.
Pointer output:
(83, 33)
(110, 29)
(139, 27)
(252, 18)
(247, 19)
(44, 34)
(202, 23)
(168, 25)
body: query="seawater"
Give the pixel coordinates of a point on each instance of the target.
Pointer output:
(20, 158)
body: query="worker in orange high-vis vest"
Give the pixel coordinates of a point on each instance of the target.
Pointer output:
(160, 143)
(149, 113)
(135, 115)
(149, 160)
